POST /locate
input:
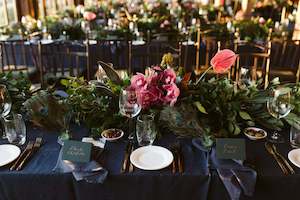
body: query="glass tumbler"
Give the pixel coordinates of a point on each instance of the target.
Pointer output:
(295, 137)
(145, 130)
(15, 129)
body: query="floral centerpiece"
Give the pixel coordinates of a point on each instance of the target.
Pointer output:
(156, 88)
(254, 30)
(203, 108)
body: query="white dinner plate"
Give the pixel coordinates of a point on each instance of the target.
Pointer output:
(151, 158)
(8, 153)
(294, 157)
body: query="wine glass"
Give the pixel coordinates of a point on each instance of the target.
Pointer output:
(129, 107)
(5, 104)
(279, 107)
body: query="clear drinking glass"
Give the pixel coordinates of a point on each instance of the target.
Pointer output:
(145, 130)
(129, 107)
(15, 129)
(5, 104)
(279, 107)
(65, 133)
(295, 137)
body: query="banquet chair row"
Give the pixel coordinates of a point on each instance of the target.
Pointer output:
(259, 60)
(63, 58)
(17, 55)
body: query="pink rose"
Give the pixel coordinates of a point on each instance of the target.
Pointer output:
(172, 93)
(148, 97)
(138, 81)
(156, 68)
(89, 16)
(261, 20)
(169, 76)
(223, 60)
(153, 79)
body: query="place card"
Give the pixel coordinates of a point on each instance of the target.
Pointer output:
(231, 148)
(76, 151)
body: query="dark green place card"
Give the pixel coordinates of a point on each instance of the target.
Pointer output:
(231, 148)
(76, 151)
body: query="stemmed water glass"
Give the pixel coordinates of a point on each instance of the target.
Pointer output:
(5, 104)
(129, 107)
(279, 106)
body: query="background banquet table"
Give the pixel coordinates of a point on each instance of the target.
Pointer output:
(38, 181)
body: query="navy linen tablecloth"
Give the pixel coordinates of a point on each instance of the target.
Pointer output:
(38, 181)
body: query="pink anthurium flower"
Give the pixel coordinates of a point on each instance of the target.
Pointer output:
(223, 60)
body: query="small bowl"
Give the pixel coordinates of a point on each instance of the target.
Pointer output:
(105, 133)
(254, 129)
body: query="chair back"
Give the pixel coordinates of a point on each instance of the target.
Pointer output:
(254, 56)
(63, 58)
(152, 51)
(117, 52)
(285, 59)
(16, 55)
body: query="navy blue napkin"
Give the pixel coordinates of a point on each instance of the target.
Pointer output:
(235, 176)
(91, 172)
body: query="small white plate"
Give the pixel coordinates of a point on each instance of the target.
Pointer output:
(151, 158)
(255, 129)
(138, 42)
(114, 138)
(8, 153)
(294, 157)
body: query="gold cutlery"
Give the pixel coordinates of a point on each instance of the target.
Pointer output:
(27, 149)
(179, 157)
(36, 146)
(131, 168)
(126, 158)
(269, 148)
(179, 160)
(174, 162)
(284, 160)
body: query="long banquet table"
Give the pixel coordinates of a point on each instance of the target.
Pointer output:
(38, 180)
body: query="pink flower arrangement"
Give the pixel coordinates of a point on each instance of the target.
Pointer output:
(157, 87)
(89, 16)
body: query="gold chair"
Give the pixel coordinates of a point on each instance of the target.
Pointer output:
(254, 56)
(257, 62)
(286, 62)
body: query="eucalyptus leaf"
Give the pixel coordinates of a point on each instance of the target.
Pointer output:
(250, 123)
(244, 115)
(200, 107)
(237, 129)
(293, 120)
(64, 82)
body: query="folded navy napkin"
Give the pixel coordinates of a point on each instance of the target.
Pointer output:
(91, 172)
(235, 176)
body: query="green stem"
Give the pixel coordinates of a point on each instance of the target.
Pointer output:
(203, 74)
